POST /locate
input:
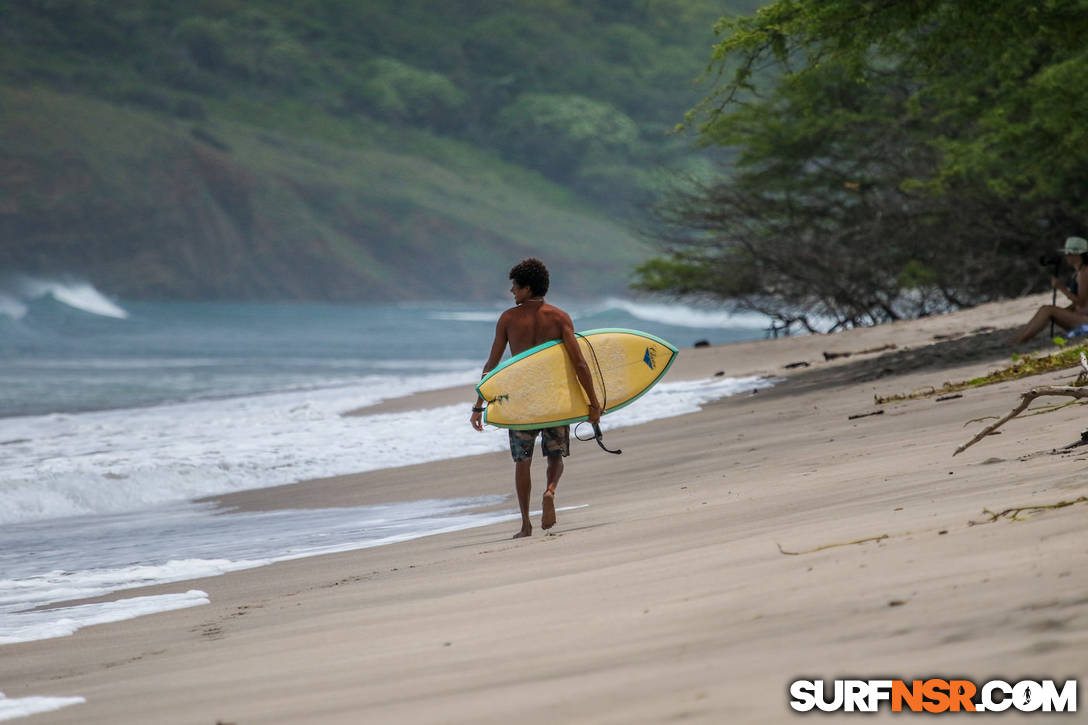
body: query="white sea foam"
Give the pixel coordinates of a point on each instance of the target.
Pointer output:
(668, 400)
(489, 316)
(665, 312)
(94, 555)
(83, 296)
(12, 307)
(94, 552)
(683, 315)
(86, 578)
(16, 707)
(121, 460)
(61, 622)
(445, 365)
(78, 294)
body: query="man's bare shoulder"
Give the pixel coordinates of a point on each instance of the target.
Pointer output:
(555, 312)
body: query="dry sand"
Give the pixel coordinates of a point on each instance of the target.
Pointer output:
(708, 567)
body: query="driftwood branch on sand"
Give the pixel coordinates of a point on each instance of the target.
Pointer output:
(1025, 400)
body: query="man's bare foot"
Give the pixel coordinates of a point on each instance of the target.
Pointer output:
(526, 530)
(547, 517)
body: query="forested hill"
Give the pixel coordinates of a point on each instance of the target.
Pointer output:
(335, 149)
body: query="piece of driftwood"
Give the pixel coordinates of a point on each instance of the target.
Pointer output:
(832, 356)
(865, 415)
(1025, 401)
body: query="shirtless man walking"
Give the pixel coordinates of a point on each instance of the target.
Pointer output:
(532, 322)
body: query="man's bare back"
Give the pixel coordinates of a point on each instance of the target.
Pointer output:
(533, 323)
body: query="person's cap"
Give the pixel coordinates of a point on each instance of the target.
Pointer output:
(1075, 245)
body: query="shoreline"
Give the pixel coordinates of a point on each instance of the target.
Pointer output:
(711, 564)
(770, 357)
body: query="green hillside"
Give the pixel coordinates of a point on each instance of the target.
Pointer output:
(338, 150)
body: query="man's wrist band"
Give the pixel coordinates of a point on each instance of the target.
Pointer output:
(477, 410)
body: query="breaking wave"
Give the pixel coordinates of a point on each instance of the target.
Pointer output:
(679, 314)
(16, 293)
(663, 312)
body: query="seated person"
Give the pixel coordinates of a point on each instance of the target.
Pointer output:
(1076, 314)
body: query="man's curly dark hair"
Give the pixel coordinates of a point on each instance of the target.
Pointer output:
(533, 274)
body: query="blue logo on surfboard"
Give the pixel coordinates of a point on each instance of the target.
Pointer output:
(650, 358)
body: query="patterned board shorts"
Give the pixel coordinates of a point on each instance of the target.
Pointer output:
(553, 442)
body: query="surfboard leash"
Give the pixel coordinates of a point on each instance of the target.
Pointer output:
(597, 434)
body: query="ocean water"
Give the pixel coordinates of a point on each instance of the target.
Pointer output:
(116, 414)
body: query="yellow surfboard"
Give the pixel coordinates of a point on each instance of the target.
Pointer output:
(539, 389)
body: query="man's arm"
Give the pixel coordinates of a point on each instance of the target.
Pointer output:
(497, 349)
(581, 368)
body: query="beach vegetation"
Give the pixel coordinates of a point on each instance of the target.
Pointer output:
(1022, 366)
(882, 160)
(1014, 513)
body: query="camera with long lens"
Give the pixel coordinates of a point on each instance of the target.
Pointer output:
(1054, 260)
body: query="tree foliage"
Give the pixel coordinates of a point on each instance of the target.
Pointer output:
(890, 158)
(560, 132)
(461, 68)
(395, 91)
(1008, 77)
